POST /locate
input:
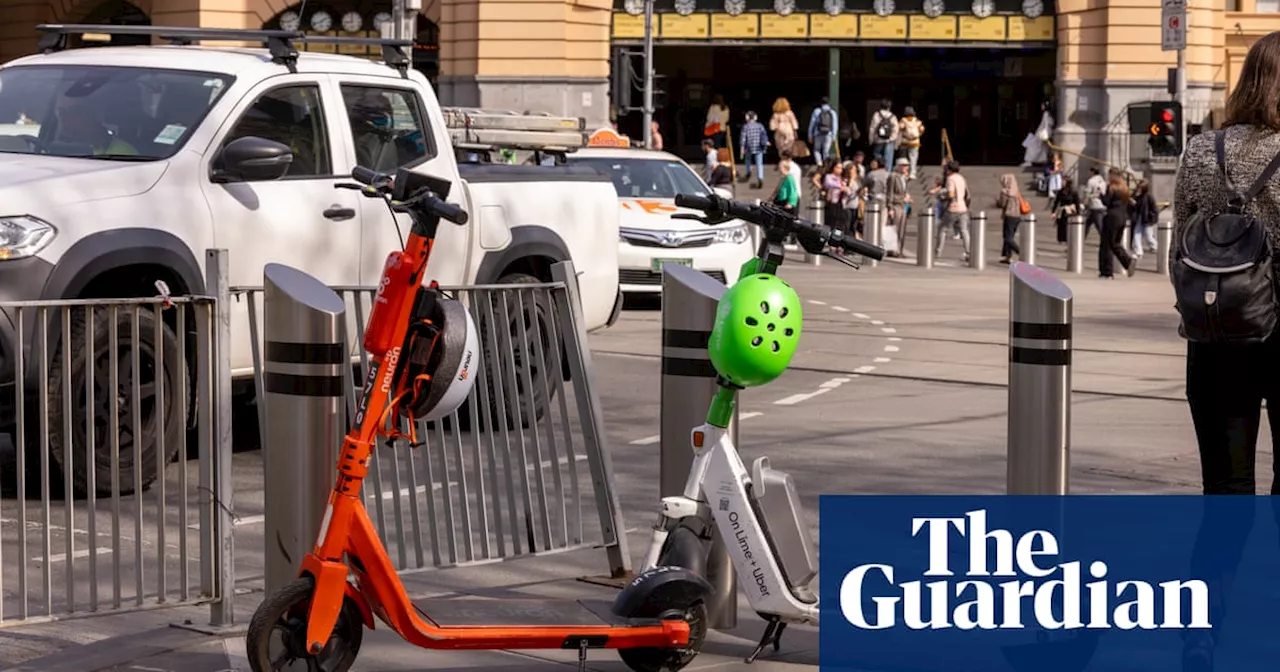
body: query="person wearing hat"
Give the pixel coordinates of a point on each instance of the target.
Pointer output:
(897, 199)
(910, 130)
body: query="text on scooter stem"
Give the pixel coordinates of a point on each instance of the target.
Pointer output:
(985, 602)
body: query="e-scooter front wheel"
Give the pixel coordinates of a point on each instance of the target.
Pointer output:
(277, 638)
(671, 660)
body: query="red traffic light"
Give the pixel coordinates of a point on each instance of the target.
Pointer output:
(1167, 116)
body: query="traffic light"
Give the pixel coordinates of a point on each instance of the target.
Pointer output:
(1165, 129)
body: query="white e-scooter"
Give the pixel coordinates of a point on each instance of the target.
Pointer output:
(756, 511)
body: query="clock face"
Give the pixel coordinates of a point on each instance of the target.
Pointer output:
(983, 8)
(351, 22)
(933, 8)
(321, 21)
(884, 7)
(735, 7)
(685, 7)
(784, 7)
(290, 21)
(380, 19)
(834, 7)
(634, 7)
(1032, 8)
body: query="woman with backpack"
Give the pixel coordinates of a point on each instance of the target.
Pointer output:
(1228, 315)
(911, 129)
(1144, 217)
(1010, 203)
(1117, 202)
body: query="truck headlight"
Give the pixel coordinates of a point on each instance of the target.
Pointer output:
(732, 234)
(22, 236)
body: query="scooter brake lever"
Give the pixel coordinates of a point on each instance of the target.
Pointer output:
(840, 258)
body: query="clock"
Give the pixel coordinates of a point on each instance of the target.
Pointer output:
(351, 22)
(735, 7)
(834, 7)
(321, 21)
(933, 8)
(634, 7)
(983, 8)
(381, 19)
(686, 7)
(784, 7)
(884, 7)
(290, 21)
(1032, 9)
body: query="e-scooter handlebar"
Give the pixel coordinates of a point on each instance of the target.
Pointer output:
(424, 200)
(768, 217)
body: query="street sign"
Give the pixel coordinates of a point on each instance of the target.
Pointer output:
(1173, 25)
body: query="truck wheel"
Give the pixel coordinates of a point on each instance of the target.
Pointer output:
(517, 392)
(174, 407)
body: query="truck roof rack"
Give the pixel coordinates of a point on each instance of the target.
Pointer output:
(280, 43)
(508, 129)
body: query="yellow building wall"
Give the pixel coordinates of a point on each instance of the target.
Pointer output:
(525, 38)
(1120, 40)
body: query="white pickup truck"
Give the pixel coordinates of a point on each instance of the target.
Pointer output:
(114, 174)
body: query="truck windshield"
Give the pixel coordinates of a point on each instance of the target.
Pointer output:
(646, 178)
(110, 113)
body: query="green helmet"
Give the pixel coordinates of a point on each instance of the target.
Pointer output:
(757, 330)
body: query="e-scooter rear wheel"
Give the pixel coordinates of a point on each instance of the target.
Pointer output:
(277, 638)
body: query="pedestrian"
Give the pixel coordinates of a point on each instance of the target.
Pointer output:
(853, 211)
(849, 133)
(754, 142)
(1065, 204)
(1143, 216)
(911, 130)
(957, 217)
(884, 132)
(710, 158)
(1010, 204)
(717, 126)
(823, 127)
(722, 174)
(1055, 176)
(1116, 200)
(788, 194)
(784, 125)
(1094, 190)
(898, 200)
(834, 191)
(655, 137)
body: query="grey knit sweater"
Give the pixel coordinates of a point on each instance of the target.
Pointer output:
(1199, 184)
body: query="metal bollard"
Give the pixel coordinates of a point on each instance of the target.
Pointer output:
(689, 301)
(817, 213)
(873, 228)
(1075, 244)
(924, 241)
(978, 240)
(1164, 241)
(305, 412)
(1028, 242)
(1039, 382)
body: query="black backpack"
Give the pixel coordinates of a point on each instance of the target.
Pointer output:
(1222, 271)
(826, 120)
(884, 130)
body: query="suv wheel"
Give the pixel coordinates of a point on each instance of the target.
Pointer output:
(138, 442)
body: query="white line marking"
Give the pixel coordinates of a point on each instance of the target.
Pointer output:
(889, 330)
(877, 322)
(647, 440)
(797, 398)
(890, 348)
(237, 656)
(895, 339)
(840, 309)
(62, 557)
(860, 316)
(246, 520)
(748, 416)
(842, 380)
(832, 384)
(866, 368)
(881, 360)
(817, 302)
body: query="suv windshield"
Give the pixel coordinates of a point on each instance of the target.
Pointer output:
(125, 114)
(646, 178)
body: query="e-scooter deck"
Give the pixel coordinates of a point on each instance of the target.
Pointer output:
(469, 612)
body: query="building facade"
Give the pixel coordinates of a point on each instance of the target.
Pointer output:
(979, 69)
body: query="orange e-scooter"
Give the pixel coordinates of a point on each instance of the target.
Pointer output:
(422, 348)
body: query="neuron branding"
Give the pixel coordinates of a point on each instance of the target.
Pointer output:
(972, 604)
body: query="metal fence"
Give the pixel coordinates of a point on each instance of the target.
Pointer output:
(521, 467)
(101, 508)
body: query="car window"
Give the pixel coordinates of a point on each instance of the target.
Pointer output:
(387, 127)
(103, 112)
(292, 116)
(646, 178)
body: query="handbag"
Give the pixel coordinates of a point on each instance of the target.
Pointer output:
(711, 129)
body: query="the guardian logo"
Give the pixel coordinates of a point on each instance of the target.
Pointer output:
(982, 601)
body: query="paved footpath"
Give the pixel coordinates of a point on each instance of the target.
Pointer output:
(898, 388)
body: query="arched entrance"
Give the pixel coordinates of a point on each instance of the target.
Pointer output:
(359, 18)
(115, 13)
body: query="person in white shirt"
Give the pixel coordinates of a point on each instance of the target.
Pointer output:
(718, 121)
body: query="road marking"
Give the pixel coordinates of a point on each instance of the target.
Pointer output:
(860, 316)
(840, 309)
(895, 339)
(866, 368)
(797, 398)
(62, 557)
(877, 322)
(817, 302)
(648, 440)
(881, 360)
(748, 416)
(889, 330)
(890, 348)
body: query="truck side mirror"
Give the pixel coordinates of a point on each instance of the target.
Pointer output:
(251, 159)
